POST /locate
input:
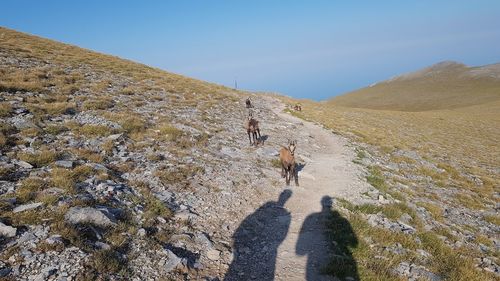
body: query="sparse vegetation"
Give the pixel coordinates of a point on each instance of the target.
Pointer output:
(107, 261)
(435, 211)
(41, 158)
(66, 178)
(153, 207)
(5, 109)
(93, 130)
(56, 129)
(98, 104)
(29, 188)
(276, 163)
(376, 179)
(178, 175)
(170, 132)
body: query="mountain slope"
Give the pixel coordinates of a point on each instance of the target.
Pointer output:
(446, 85)
(107, 166)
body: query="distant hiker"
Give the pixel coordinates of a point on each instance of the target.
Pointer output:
(323, 257)
(248, 103)
(257, 239)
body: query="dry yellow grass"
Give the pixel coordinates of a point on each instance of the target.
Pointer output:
(21, 44)
(442, 86)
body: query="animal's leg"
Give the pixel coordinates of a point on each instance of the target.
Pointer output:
(255, 140)
(249, 137)
(258, 131)
(283, 171)
(288, 176)
(295, 175)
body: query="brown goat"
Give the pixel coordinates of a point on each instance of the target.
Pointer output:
(248, 103)
(252, 126)
(287, 157)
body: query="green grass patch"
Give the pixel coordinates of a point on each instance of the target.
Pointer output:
(449, 263)
(276, 163)
(376, 179)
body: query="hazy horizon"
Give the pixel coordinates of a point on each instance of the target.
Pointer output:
(314, 50)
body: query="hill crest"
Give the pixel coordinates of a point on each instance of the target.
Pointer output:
(445, 85)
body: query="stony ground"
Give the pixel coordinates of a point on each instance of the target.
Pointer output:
(109, 176)
(86, 193)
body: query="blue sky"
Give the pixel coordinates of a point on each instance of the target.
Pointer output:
(308, 49)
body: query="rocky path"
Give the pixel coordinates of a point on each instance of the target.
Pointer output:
(329, 172)
(289, 231)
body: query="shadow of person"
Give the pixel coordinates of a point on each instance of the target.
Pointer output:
(325, 257)
(257, 239)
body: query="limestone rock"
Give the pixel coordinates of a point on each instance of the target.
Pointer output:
(78, 215)
(27, 207)
(7, 230)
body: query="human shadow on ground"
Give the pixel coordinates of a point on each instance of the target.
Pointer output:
(299, 167)
(327, 239)
(264, 138)
(256, 241)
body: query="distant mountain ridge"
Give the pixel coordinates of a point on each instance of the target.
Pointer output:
(445, 85)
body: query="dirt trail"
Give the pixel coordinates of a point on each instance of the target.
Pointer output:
(328, 172)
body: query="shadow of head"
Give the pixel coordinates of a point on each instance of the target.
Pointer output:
(299, 166)
(326, 202)
(284, 196)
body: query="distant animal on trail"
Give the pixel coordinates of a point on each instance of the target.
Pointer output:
(253, 130)
(248, 103)
(288, 165)
(298, 107)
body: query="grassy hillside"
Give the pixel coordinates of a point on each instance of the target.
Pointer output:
(440, 164)
(446, 85)
(20, 45)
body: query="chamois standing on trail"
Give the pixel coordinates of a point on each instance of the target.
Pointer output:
(287, 157)
(252, 126)
(248, 103)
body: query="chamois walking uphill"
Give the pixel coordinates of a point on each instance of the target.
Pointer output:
(253, 131)
(288, 165)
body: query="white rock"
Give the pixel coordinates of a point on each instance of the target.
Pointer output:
(27, 207)
(173, 261)
(7, 230)
(64, 164)
(25, 165)
(141, 232)
(213, 254)
(76, 215)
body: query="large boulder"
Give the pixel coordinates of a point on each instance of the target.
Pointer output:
(80, 215)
